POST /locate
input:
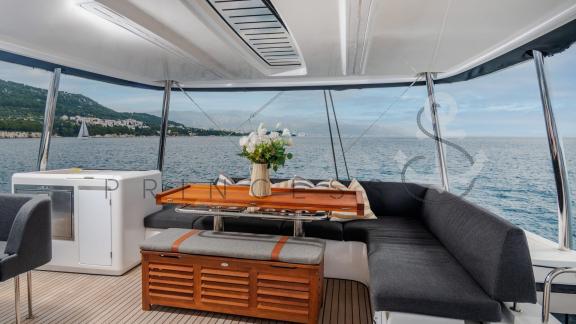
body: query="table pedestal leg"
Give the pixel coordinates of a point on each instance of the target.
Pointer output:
(298, 226)
(218, 224)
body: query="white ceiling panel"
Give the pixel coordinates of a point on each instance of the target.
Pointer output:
(338, 41)
(177, 17)
(403, 36)
(477, 27)
(315, 27)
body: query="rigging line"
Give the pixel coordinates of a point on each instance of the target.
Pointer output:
(331, 137)
(218, 127)
(259, 110)
(383, 113)
(199, 108)
(339, 135)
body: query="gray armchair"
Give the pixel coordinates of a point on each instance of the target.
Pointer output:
(25, 240)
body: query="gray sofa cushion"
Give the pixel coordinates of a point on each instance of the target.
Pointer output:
(410, 271)
(492, 250)
(168, 217)
(426, 279)
(358, 230)
(238, 245)
(324, 229)
(394, 198)
(245, 225)
(401, 228)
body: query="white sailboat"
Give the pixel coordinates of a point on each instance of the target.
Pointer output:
(83, 133)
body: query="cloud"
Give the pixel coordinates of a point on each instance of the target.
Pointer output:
(23, 74)
(514, 107)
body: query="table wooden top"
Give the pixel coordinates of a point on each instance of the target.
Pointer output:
(282, 198)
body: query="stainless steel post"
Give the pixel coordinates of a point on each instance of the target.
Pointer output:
(437, 131)
(164, 125)
(298, 225)
(17, 299)
(548, 290)
(557, 156)
(218, 225)
(29, 283)
(49, 113)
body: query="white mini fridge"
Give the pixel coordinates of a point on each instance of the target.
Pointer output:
(97, 216)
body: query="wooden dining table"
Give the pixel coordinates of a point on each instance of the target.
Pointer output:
(296, 205)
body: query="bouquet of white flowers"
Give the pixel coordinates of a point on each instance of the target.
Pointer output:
(263, 147)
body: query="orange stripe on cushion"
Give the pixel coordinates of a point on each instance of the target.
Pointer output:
(184, 237)
(278, 247)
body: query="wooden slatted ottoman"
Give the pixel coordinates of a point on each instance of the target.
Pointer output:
(266, 276)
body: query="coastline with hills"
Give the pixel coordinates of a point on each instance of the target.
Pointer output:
(22, 135)
(22, 112)
(11, 134)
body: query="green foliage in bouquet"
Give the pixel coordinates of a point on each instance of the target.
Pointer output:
(270, 149)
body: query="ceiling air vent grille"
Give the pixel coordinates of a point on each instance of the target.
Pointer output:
(258, 24)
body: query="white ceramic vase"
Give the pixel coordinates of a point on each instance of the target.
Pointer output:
(260, 181)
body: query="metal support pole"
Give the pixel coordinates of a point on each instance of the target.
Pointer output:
(17, 299)
(331, 137)
(298, 225)
(29, 282)
(49, 113)
(515, 307)
(218, 225)
(548, 290)
(437, 132)
(557, 156)
(164, 125)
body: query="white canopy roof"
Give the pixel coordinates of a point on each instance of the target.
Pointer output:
(199, 43)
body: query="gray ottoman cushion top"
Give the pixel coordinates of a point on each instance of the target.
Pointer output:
(237, 245)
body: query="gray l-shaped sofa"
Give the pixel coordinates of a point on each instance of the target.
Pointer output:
(429, 252)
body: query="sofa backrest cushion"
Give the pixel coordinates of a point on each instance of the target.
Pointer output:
(394, 198)
(491, 249)
(9, 207)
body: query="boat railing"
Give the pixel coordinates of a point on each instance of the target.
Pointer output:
(548, 290)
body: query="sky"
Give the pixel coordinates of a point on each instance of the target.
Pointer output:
(505, 103)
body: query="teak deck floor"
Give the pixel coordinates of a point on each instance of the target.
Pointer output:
(79, 298)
